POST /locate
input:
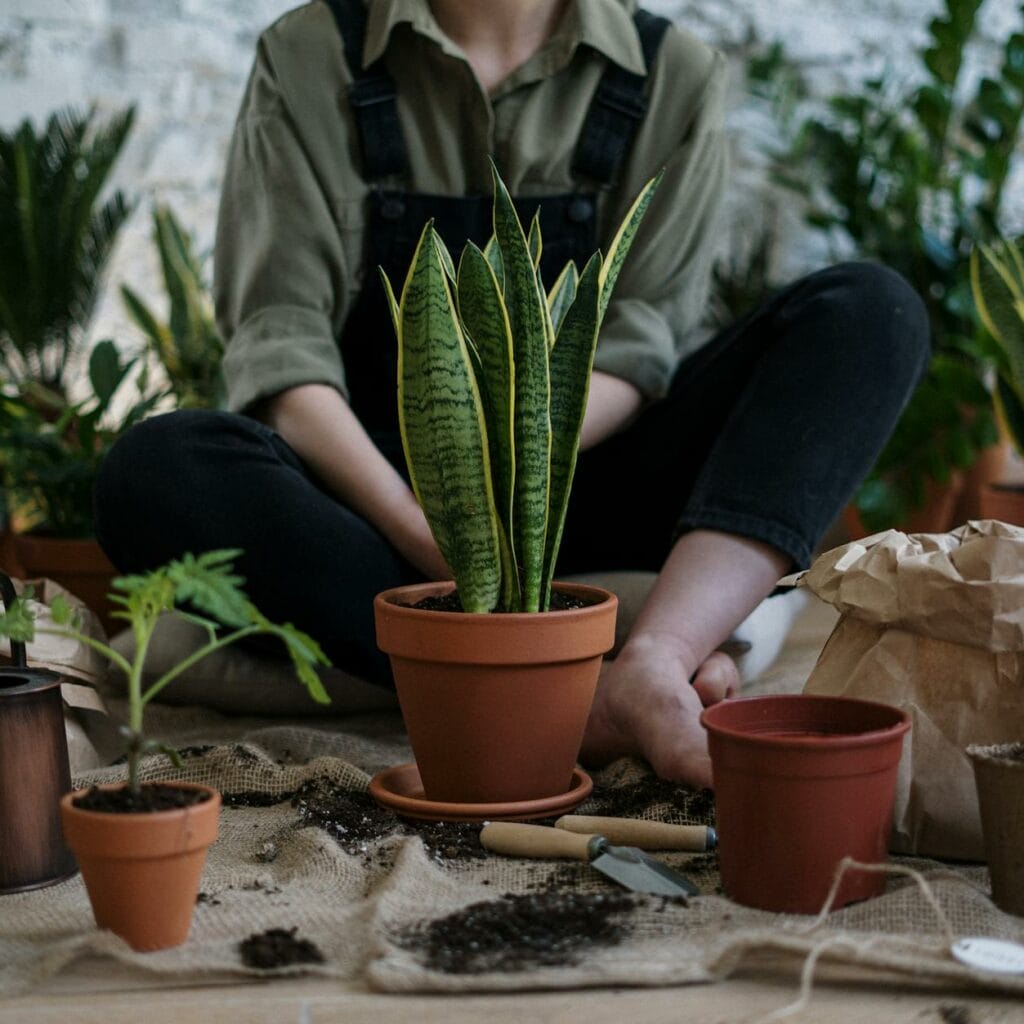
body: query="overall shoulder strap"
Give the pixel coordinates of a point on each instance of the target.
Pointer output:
(618, 107)
(372, 96)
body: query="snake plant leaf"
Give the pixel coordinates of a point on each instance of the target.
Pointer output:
(442, 426)
(493, 253)
(997, 282)
(563, 291)
(389, 294)
(446, 257)
(534, 241)
(485, 321)
(571, 361)
(623, 239)
(527, 313)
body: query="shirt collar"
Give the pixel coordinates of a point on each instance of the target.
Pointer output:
(604, 25)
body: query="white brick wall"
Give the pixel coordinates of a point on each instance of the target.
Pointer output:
(184, 64)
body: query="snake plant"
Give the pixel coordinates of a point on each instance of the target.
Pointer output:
(493, 376)
(997, 282)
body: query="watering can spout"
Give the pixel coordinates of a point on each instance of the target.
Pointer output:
(18, 654)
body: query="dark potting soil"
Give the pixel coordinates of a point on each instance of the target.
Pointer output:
(451, 603)
(278, 947)
(631, 801)
(149, 799)
(521, 932)
(354, 819)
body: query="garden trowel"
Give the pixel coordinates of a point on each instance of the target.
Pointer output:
(626, 865)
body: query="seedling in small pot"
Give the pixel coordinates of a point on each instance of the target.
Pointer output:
(207, 586)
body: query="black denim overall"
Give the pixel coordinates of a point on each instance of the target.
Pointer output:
(764, 432)
(396, 218)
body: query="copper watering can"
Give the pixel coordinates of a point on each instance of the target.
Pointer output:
(34, 772)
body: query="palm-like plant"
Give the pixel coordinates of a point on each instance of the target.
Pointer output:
(493, 376)
(54, 238)
(188, 344)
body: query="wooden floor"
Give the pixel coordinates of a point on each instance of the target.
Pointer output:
(77, 999)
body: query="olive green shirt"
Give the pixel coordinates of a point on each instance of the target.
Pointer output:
(290, 237)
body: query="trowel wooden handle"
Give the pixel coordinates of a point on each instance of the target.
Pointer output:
(648, 835)
(516, 840)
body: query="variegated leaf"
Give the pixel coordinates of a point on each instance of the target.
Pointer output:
(622, 241)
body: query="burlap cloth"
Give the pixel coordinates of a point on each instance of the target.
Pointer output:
(367, 904)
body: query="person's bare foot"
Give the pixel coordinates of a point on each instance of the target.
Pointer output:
(647, 707)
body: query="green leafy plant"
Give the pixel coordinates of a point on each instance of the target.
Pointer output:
(208, 587)
(493, 376)
(51, 448)
(997, 284)
(914, 176)
(55, 237)
(188, 344)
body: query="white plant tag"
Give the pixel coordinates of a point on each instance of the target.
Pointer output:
(995, 955)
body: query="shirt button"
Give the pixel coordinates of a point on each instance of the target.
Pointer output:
(580, 210)
(392, 209)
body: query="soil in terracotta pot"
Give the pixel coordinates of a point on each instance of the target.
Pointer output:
(522, 932)
(278, 947)
(149, 799)
(451, 603)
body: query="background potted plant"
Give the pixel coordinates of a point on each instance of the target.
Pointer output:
(492, 384)
(913, 173)
(55, 237)
(141, 846)
(187, 344)
(997, 281)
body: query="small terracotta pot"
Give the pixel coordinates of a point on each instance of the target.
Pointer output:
(801, 782)
(1004, 502)
(999, 777)
(80, 566)
(142, 871)
(495, 705)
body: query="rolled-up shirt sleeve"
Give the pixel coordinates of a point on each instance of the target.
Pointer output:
(278, 262)
(654, 316)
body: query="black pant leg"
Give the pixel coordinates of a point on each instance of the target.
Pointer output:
(197, 481)
(765, 432)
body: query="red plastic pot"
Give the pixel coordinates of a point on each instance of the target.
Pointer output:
(801, 782)
(495, 705)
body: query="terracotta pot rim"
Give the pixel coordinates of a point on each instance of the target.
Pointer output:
(145, 816)
(1009, 756)
(830, 741)
(417, 591)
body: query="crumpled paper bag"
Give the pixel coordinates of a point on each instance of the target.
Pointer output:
(80, 666)
(933, 624)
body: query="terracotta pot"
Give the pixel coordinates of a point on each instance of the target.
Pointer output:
(801, 782)
(1004, 502)
(495, 705)
(999, 778)
(79, 566)
(988, 469)
(936, 515)
(142, 871)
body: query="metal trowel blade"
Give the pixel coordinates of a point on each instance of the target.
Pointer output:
(640, 872)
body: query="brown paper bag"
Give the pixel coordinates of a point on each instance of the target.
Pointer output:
(934, 624)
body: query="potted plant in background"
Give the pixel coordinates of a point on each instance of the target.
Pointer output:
(187, 344)
(997, 281)
(140, 845)
(913, 175)
(496, 672)
(55, 237)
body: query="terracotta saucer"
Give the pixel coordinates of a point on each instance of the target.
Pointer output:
(400, 789)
